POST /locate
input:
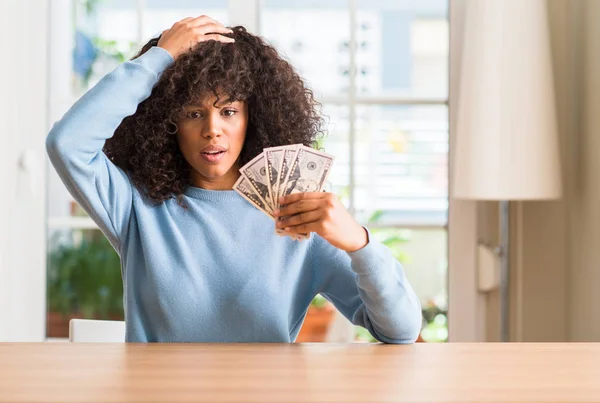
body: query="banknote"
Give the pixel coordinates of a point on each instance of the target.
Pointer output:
(273, 157)
(256, 172)
(308, 172)
(289, 153)
(280, 171)
(246, 190)
(243, 187)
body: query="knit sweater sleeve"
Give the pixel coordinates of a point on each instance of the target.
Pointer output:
(369, 288)
(75, 142)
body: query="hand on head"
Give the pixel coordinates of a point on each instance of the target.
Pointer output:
(185, 34)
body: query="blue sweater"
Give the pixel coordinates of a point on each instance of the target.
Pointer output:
(216, 272)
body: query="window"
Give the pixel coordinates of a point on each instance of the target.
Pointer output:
(380, 70)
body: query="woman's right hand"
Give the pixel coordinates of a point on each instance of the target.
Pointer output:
(185, 34)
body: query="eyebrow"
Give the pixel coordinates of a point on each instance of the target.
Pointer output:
(220, 105)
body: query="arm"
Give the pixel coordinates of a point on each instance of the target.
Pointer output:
(358, 274)
(369, 288)
(75, 142)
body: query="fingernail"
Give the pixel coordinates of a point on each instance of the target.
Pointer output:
(276, 212)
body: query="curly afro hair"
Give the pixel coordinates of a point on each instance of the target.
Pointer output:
(282, 110)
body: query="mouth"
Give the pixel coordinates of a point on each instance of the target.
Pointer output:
(213, 153)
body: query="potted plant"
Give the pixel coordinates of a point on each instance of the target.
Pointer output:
(84, 281)
(436, 322)
(318, 318)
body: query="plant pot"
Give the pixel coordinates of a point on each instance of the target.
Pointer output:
(316, 324)
(57, 324)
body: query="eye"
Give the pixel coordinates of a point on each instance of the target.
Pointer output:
(193, 115)
(229, 112)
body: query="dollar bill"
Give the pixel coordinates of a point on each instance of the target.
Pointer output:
(308, 173)
(289, 154)
(246, 190)
(273, 158)
(243, 187)
(280, 171)
(256, 172)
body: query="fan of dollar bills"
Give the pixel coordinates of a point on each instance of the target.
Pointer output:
(280, 171)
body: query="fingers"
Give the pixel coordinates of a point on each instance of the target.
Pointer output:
(212, 29)
(188, 32)
(186, 19)
(301, 196)
(300, 206)
(314, 226)
(302, 213)
(192, 22)
(215, 37)
(204, 28)
(203, 20)
(299, 219)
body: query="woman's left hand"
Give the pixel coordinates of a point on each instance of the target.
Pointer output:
(324, 214)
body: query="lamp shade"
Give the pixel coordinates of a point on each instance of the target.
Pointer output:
(506, 132)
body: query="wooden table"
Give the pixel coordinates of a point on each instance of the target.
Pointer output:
(51, 372)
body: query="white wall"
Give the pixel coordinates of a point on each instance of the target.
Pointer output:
(23, 125)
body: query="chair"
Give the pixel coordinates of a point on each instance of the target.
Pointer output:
(96, 331)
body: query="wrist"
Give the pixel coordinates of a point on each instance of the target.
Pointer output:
(359, 240)
(169, 51)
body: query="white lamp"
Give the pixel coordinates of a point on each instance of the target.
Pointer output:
(506, 132)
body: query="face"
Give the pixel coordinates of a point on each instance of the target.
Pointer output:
(211, 138)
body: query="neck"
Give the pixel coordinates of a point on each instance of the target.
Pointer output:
(224, 182)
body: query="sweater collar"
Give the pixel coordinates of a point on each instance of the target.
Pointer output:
(211, 195)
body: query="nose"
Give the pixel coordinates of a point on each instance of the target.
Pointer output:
(212, 129)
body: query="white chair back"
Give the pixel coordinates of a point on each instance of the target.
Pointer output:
(96, 331)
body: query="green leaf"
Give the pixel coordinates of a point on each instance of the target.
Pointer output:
(375, 217)
(319, 301)
(85, 276)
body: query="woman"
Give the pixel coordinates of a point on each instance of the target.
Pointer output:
(152, 152)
